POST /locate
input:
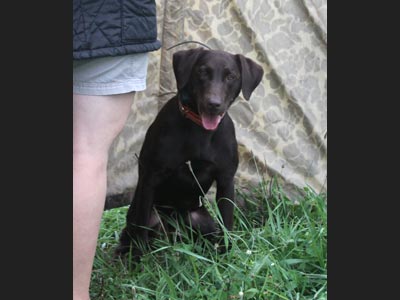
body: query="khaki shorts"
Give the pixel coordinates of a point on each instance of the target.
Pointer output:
(110, 75)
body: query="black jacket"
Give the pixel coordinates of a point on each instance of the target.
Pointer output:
(113, 27)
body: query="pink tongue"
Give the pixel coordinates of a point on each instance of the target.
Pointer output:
(210, 122)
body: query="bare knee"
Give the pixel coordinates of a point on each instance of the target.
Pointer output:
(89, 162)
(97, 121)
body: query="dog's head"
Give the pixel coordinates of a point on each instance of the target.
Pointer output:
(208, 81)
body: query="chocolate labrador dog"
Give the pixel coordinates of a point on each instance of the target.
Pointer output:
(193, 129)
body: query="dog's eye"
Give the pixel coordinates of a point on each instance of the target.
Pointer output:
(230, 77)
(202, 72)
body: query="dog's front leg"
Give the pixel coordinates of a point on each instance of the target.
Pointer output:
(225, 197)
(137, 219)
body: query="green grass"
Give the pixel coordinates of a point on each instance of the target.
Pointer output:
(279, 251)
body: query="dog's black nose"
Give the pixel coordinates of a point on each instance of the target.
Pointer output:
(214, 104)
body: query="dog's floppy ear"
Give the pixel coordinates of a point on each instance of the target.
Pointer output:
(251, 75)
(183, 62)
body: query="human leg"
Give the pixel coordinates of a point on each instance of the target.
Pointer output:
(97, 120)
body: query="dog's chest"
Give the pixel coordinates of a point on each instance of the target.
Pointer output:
(202, 169)
(186, 183)
(198, 148)
(199, 159)
(198, 152)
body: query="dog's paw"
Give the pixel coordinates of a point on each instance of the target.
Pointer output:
(128, 254)
(120, 251)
